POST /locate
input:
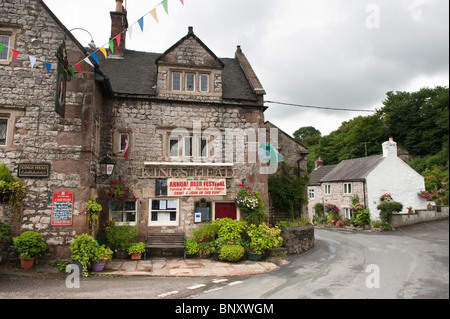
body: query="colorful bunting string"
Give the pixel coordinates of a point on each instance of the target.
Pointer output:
(110, 43)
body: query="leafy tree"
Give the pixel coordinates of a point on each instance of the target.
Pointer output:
(307, 135)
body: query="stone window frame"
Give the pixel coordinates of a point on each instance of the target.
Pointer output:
(11, 114)
(347, 212)
(169, 223)
(311, 193)
(117, 143)
(183, 81)
(11, 32)
(347, 187)
(181, 146)
(327, 189)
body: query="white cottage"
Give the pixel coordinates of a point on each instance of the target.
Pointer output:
(368, 178)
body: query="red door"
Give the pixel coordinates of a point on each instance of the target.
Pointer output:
(224, 210)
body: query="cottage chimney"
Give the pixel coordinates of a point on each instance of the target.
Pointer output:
(119, 25)
(390, 148)
(319, 163)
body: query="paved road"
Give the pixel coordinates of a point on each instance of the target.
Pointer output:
(408, 263)
(411, 262)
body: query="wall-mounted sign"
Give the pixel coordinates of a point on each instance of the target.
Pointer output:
(62, 208)
(33, 170)
(168, 171)
(184, 187)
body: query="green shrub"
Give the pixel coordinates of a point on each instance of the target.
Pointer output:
(206, 233)
(84, 249)
(135, 248)
(191, 247)
(263, 237)
(121, 237)
(293, 223)
(387, 209)
(363, 218)
(5, 233)
(30, 244)
(229, 229)
(231, 253)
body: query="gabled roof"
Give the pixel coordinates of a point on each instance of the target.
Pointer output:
(352, 170)
(318, 174)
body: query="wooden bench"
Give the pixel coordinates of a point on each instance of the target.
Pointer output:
(165, 241)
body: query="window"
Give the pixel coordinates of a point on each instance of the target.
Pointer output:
(5, 41)
(202, 147)
(176, 81)
(3, 131)
(190, 82)
(187, 146)
(311, 193)
(347, 188)
(174, 146)
(348, 213)
(161, 187)
(123, 138)
(327, 189)
(163, 212)
(204, 83)
(126, 215)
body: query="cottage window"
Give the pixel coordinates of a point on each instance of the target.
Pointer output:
(203, 147)
(327, 189)
(348, 213)
(176, 81)
(190, 82)
(3, 131)
(187, 146)
(174, 147)
(163, 212)
(347, 188)
(204, 83)
(311, 193)
(5, 41)
(126, 215)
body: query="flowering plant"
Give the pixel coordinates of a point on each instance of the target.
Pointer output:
(118, 194)
(410, 210)
(432, 196)
(386, 197)
(264, 237)
(251, 204)
(331, 208)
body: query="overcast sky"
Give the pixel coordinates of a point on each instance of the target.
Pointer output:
(330, 53)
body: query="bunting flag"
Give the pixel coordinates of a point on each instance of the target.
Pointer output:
(165, 4)
(155, 15)
(48, 65)
(15, 54)
(32, 60)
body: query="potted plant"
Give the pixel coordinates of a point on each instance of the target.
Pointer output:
(83, 248)
(191, 247)
(119, 238)
(263, 237)
(251, 205)
(102, 255)
(136, 250)
(93, 210)
(29, 245)
(206, 249)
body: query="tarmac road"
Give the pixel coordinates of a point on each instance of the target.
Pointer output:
(407, 263)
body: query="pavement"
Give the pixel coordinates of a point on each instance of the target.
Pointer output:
(180, 267)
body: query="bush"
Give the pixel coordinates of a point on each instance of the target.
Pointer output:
(363, 218)
(231, 252)
(230, 230)
(5, 233)
(264, 237)
(293, 223)
(387, 209)
(84, 249)
(206, 233)
(121, 237)
(191, 247)
(30, 244)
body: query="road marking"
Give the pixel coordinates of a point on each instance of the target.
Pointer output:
(235, 283)
(196, 286)
(212, 290)
(218, 281)
(169, 293)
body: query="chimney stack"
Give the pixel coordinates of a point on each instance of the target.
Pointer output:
(390, 148)
(119, 25)
(319, 163)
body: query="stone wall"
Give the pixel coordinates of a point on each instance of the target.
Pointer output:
(420, 216)
(298, 239)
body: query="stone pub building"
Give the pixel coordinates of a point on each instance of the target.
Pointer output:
(182, 128)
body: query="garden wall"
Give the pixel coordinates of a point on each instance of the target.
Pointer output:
(298, 239)
(420, 216)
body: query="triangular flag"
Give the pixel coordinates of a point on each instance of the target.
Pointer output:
(111, 46)
(1, 47)
(127, 144)
(48, 66)
(154, 14)
(78, 67)
(182, 2)
(94, 56)
(88, 61)
(118, 39)
(141, 23)
(130, 31)
(104, 52)
(72, 71)
(32, 60)
(165, 4)
(15, 54)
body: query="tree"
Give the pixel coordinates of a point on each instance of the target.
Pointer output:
(307, 135)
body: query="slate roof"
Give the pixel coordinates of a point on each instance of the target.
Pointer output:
(318, 174)
(136, 75)
(352, 170)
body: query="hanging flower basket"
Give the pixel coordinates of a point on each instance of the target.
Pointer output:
(118, 194)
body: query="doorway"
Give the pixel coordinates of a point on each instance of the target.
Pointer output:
(224, 210)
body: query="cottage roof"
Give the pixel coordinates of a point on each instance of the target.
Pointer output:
(352, 170)
(319, 173)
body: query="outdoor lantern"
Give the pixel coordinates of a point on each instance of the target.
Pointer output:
(107, 166)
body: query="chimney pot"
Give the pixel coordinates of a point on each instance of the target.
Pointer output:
(319, 162)
(119, 5)
(190, 30)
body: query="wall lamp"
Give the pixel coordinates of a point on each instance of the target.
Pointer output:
(92, 43)
(36, 41)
